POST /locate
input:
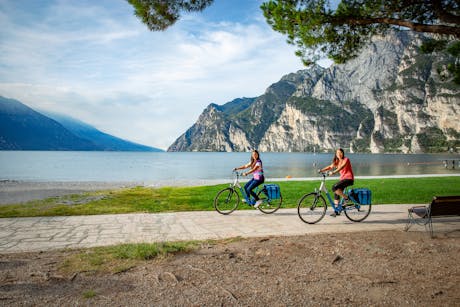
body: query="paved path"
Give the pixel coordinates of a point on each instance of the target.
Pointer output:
(47, 233)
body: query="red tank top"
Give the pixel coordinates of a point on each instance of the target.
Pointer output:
(347, 172)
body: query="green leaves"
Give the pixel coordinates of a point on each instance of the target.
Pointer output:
(158, 15)
(433, 45)
(319, 31)
(442, 45)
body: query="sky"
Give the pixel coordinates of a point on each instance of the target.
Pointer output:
(95, 61)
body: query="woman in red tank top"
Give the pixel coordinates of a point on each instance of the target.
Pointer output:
(341, 164)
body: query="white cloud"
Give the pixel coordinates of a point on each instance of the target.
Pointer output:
(105, 68)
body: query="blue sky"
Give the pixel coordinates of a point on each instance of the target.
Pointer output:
(95, 61)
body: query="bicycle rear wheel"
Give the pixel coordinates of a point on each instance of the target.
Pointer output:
(311, 208)
(269, 205)
(226, 201)
(356, 212)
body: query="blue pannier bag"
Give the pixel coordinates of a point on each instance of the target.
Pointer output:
(273, 191)
(362, 196)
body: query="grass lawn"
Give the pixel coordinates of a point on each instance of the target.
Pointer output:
(170, 199)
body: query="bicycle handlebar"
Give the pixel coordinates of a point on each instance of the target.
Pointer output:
(324, 174)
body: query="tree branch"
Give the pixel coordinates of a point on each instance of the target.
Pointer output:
(444, 15)
(418, 27)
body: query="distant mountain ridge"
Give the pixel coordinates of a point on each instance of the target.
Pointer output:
(22, 128)
(103, 140)
(391, 98)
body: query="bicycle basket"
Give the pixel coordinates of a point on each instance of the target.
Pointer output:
(362, 196)
(273, 191)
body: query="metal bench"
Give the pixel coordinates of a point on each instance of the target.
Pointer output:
(441, 206)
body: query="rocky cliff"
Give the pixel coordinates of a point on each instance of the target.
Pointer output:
(392, 98)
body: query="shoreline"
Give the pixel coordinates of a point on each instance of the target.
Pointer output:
(15, 191)
(18, 191)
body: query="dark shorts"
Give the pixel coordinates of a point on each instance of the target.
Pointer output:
(342, 184)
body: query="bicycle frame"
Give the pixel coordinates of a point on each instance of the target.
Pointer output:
(323, 189)
(236, 183)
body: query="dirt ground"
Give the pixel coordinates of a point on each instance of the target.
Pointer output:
(357, 269)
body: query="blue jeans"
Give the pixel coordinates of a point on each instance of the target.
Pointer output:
(251, 185)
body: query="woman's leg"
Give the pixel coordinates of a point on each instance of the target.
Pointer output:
(250, 186)
(339, 187)
(247, 187)
(337, 195)
(336, 190)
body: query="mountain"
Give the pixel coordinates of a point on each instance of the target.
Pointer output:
(102, 140)
(22, 128)
(391, 98)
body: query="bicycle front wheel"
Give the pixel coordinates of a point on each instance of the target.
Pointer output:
(269, 205)
(356, 212)
(226, 201)
(311, 208)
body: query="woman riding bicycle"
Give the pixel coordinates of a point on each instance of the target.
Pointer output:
(341, 164)
(256, 169)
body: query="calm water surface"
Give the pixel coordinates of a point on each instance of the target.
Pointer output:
(150, 167)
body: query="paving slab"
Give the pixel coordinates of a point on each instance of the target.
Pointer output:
(48, 233)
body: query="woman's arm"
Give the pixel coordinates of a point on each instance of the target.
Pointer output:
(342, 164)
(253, 169)
(326, 168)
(242, 166)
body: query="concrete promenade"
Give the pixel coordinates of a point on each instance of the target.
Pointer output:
(48, 233)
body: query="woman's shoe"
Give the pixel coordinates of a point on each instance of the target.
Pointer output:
(334, 214)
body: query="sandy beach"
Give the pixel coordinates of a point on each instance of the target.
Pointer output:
(12, 191)
(15, 191)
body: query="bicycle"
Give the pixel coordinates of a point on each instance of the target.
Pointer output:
(228, 199)
(312, 207)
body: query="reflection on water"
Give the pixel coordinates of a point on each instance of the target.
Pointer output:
(151, 167)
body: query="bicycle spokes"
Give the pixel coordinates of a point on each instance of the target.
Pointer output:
(226, 201)
(357, 212)
(315, 203)
(311, 208)
(229, 197)
(269, 205)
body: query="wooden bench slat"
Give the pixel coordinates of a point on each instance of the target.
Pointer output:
(445, 205)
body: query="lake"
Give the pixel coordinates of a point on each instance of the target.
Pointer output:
(150, 167)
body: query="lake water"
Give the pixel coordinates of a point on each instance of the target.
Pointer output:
(148, 167)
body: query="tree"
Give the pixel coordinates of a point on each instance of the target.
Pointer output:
(158, 15)
(318, 30)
